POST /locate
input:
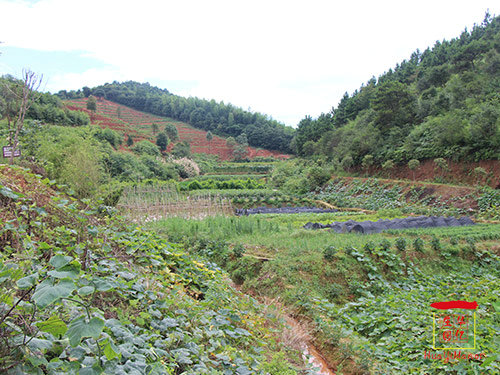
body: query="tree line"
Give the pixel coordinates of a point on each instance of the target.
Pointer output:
(217, 117)
(44, 107)
(441, 103)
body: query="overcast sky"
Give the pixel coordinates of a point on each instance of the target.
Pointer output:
(286, 59)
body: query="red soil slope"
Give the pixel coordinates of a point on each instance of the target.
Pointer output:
(464, 173)
(128, 121)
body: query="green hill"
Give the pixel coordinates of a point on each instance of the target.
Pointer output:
(219, 118)
(139, 126)
(441, 103)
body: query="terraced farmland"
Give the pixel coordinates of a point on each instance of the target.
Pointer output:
(138, 125)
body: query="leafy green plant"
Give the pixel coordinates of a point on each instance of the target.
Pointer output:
(329, 253)
(436, 243)
(238, 250)
(418, 245)
(87, 293)
(385, 245)
(400, 244)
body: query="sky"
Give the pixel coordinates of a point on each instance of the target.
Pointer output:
(286, 59)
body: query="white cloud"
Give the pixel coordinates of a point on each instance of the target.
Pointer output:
(274, 56)
(90, 77)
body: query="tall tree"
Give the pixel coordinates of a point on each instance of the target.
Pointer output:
(154, 128)
(172, 132)
(241, 149)
(162, 141)
(25, 94)
(92, 104)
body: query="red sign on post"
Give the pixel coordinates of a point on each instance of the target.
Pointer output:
(7, 152)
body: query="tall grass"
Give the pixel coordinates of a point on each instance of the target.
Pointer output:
(263, 231)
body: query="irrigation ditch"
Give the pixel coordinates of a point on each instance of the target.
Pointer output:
(297, 336)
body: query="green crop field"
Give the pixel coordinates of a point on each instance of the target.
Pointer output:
(367, 297)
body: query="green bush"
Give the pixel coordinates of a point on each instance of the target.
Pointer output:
(146, 148)
(400, 244)
(317, 177)
(238, 250)
(435, 244)
(418, 245)
(369, 247)
(181, 150)
(385, 244)
(108, 135)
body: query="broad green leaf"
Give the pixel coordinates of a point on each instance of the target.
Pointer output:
(39, 344)
(111, 351)
(47, 293)
(44, 246)
(6, 192)
(86, 290)
(94, 370)
(102, 285)
(79, 328)
(41, 211)
(54, 325)
(496, 306)
(37, 361)
(27, 281)
(69, 271)
(59, 261)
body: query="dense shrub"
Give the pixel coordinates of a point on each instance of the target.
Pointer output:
(146, 148)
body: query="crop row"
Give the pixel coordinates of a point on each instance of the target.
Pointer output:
(215, 184)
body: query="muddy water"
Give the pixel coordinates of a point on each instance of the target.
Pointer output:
(311, 355)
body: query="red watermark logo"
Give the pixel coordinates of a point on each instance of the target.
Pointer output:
(454, 332)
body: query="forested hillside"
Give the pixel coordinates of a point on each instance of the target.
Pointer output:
(219, 118)
(441, 103)
(182, 139)
(46, 107)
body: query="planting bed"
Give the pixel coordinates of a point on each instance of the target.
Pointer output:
(381, 225)
(281, 210)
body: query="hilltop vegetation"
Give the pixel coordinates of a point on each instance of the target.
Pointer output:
(441, 103)
(219, 118)
(47, 108)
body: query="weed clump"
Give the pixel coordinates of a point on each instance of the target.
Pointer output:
(401, 244)
(238, 250)
(418, 245)
(436, 244)
(385, 244)
(329, 253)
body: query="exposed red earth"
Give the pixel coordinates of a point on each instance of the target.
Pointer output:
(128, 121)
